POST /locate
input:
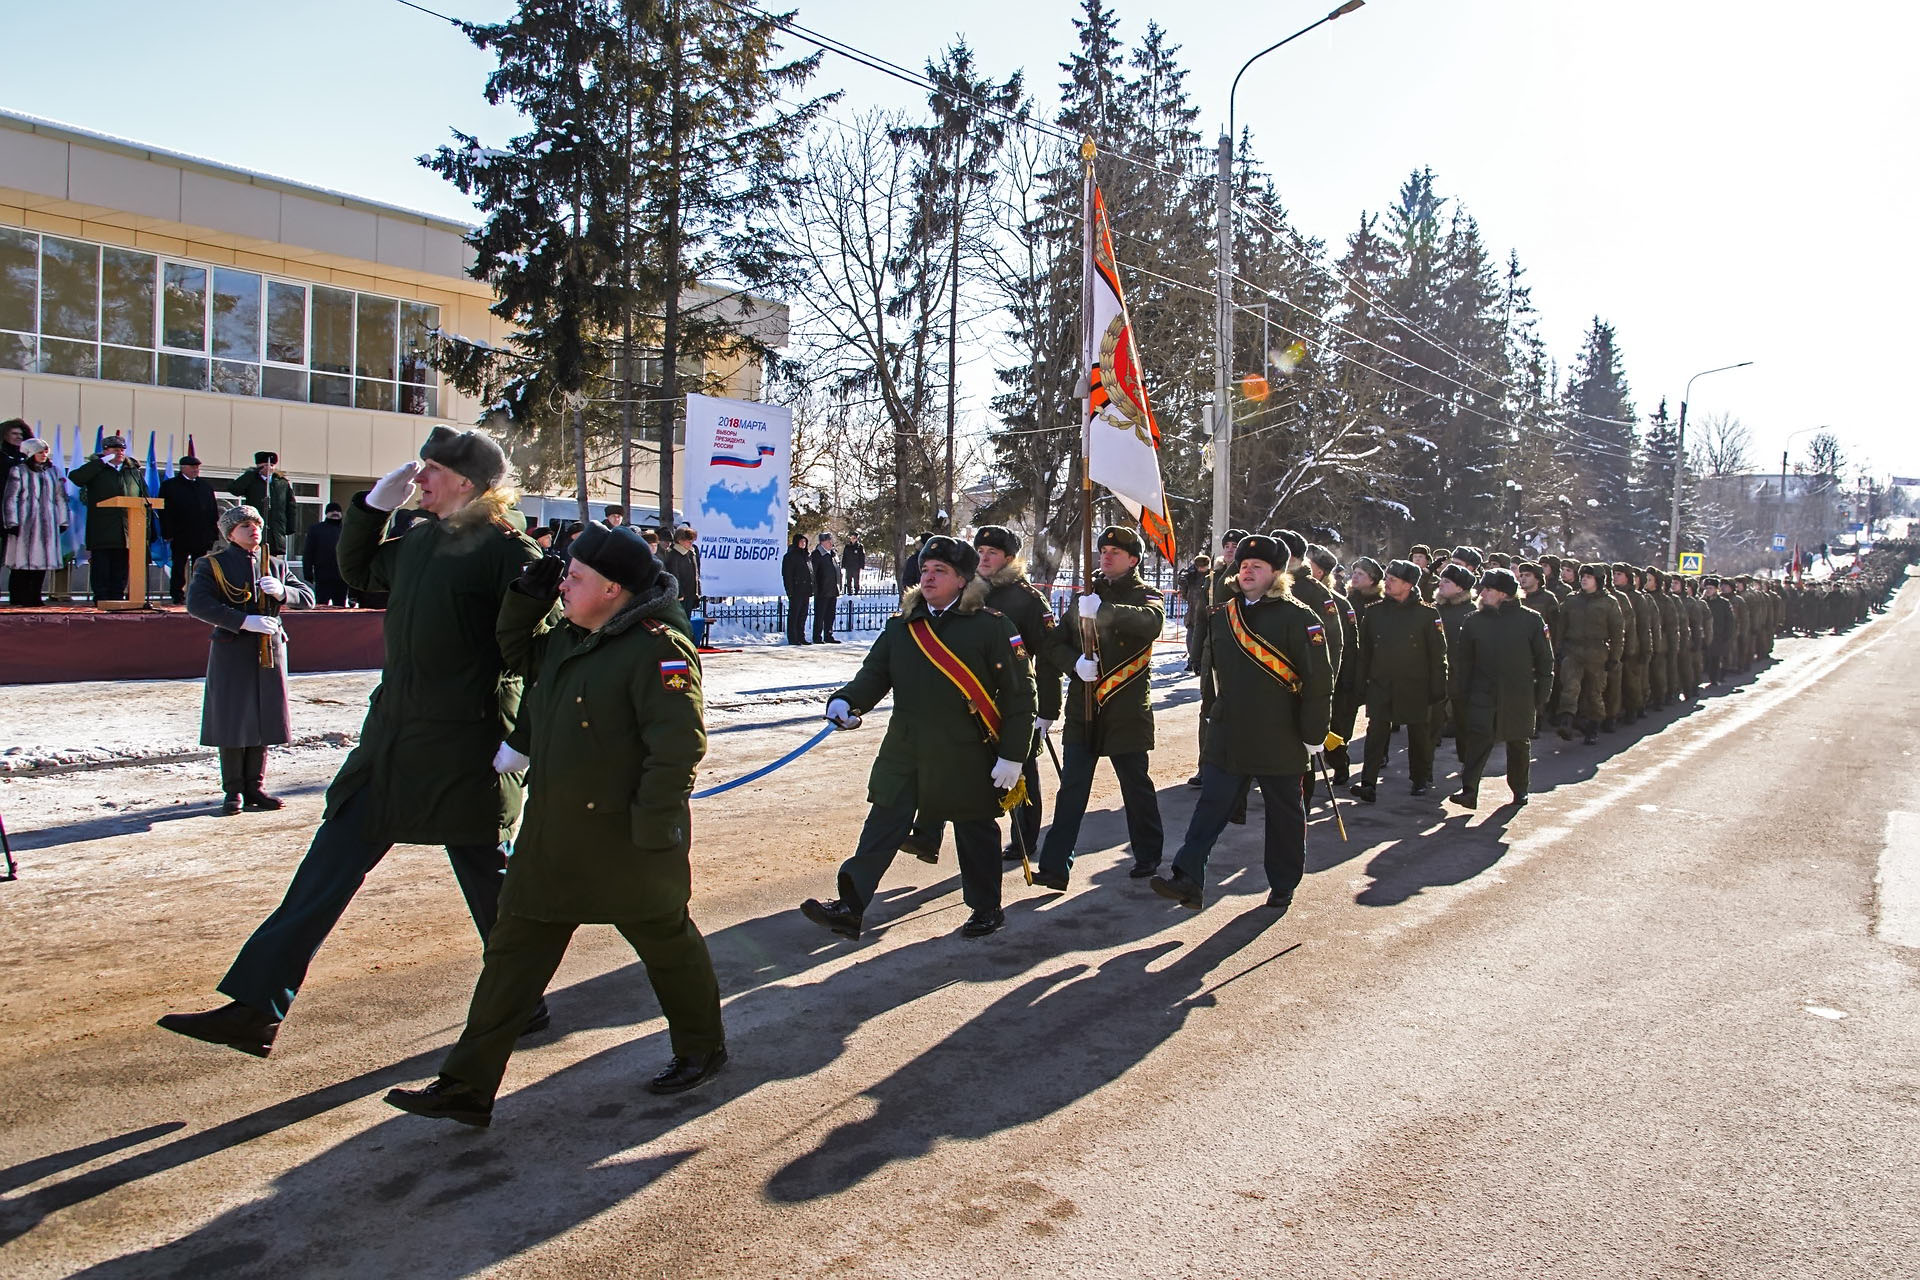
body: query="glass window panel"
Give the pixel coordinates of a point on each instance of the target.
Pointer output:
(368, 394)
(19, 278)
(74, 359)
(377, 342)
(425, 400)
(287, 324)
(16, 351)
(126, 297)
(189, 373)
(69, 288)
(120, 364)
(236, 314)
(283, 384)
(326, 388)
(236, 379)
(183, 307)
(332, 331)
(418, 320)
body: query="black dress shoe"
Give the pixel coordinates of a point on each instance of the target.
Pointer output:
(1592, 735)
(1365, 791)
(230, 806)
(1178, 888)
(1011, 855)
(259, 800)
(1608, 725)
(1194, 781)
(1141, 870)
(539, 1020)
(444, 1100)
(1050, 880)
(681, 1074)
(1564, 727)
(1276, 901)
(236, 1025)
(1465, 799)
(834, 915)
(982, 923)
(1419, 788)
(920, 847)
(1519, 799)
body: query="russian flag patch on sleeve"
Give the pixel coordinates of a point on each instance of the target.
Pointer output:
(674, 675)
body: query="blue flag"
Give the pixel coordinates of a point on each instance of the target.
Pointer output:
(162, 549)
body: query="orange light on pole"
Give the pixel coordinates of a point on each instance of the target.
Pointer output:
(1254, 387)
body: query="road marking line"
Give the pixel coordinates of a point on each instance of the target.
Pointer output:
(1897, 886)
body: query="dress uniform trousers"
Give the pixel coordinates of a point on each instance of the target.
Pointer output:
(1419, 750)
(1476, 754)
(521, 957)
(1285, 847)
(1137, 795)
(1027, 817)
(976, 843)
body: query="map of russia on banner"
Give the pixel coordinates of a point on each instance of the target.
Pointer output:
(739, 457)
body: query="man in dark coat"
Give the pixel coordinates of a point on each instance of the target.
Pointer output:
(1453, 600)
(1270, 656)
(1638, 613)
(1403, 677)
(244, 704)
(1501, 682)
(1109, 707)
(958, 739)
(611, 733)
(189, 521)
(853, 561)
(796, 579)
(826, 589)
(682, 560)
(1725, 623)
(320, 553)
(268, 492)
(109, 474)
(421, 773)
(1222, 582)
(1346, 682)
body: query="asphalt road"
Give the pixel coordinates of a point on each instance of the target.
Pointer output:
(1663, 1022)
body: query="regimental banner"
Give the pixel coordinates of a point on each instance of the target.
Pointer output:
(739, 457)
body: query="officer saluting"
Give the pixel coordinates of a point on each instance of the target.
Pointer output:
(1270, 656)
(961, 730)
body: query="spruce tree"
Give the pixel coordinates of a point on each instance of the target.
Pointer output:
(1599, 443)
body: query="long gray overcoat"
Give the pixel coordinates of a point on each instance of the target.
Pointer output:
(245, 704)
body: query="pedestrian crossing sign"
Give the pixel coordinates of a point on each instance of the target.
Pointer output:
(1693, 563)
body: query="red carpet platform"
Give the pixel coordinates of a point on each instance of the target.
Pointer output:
(53, 645)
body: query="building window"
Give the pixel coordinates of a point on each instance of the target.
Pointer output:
(85, 310)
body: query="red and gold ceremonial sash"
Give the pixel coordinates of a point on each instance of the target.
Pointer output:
(948, 664)
(1264, 655)
(1116, 679)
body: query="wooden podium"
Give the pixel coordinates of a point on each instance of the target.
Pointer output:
(136, 551)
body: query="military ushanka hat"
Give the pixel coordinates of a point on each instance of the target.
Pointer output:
(999, 537)
(618, 554)
(1232, 535)
(1262, 548)
(473, 454)
(1459, 575)
(1500, 580)
(1367, 565)
(1405, 570)
(1118, 535)
(952, 552)
(1295, 544)
(1470, 555)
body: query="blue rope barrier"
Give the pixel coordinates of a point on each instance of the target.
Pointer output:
(766, 769)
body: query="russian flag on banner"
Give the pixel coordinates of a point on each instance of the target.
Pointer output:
(724, 460)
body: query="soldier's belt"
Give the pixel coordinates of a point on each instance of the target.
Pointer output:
(1122, 675)
(948, 664)
(1264, 655)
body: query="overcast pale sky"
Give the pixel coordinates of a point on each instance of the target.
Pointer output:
(1721, 180)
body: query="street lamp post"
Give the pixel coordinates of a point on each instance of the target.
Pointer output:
(1223, 291)
(1680, 462)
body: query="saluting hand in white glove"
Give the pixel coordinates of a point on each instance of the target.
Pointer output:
(1006, 773)
(1086, 668)
(1089, 606)
(392, 488)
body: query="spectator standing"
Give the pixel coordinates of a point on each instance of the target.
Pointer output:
(682, 560)
(189, 521)
(33, 510)
(13, 433)
(796, 577)
(826, 590)
(320, 555)
(1196, 590)
(853, 561)
(109, 474)
(615, 517)
(268, 492)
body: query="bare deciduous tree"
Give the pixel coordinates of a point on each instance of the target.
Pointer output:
(1721, 448)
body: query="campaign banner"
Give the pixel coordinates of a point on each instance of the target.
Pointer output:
(739, 457)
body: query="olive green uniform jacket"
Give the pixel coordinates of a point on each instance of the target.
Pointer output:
(446, 700)
(1547, 605)
(1131, 617)
(1403, 661)
(613, 723)
(936, 756)
(96, 481)
(1327, 610)
(1260, 727)
(1011, 593)
(1504, 675)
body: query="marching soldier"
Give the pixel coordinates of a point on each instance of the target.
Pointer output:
(613, 728)
(1639, 654)
(1403, 676)
(1422, 558)
(1220, 589)
(1726, 626)
(1109, 709)
(961, 732)
(1270, 656)
(1661, 650)
(1346, 688)
(1364, 577)
(1501, 683)
(1591, 632)
(1534, 594)
(1453, 599)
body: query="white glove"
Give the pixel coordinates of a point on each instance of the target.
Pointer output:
(272, 587)
(260, 624)
(1006, 773)
(1043, 727)
(841, 714)
(393, 487)
(1086, 668)
(1089, 606)
(507, 760)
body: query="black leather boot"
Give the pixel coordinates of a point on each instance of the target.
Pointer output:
(682, 1074)
(235, 1025)
(444, 1099)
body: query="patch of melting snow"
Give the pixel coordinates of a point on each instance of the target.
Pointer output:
(1821, 1011)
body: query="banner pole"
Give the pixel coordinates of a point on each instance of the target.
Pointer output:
(1089, 635)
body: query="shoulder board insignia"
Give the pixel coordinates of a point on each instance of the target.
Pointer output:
(1317, 633)
(655, 625)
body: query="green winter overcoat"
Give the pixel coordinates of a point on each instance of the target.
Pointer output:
(1403, 661)
(1132, 615)
(1547, 605)
(1313, 593)
(1589, 623)
(446, 700)
(1259, 727)
(936, 756)
(97, 482)
(613, 724)
(1505, 672)
(1011, 593)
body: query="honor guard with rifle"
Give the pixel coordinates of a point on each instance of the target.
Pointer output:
(958, 741)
